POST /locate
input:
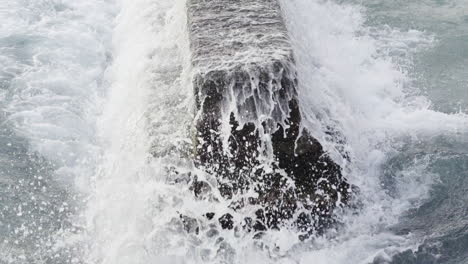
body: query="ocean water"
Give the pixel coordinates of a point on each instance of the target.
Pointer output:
(96, 109)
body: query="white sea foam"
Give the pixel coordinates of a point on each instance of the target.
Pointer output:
(353, 79)
(348, 80)
(145, 118)
(53, 57)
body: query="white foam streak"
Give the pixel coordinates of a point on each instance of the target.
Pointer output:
(121, 210)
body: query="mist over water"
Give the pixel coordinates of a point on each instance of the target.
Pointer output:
(96, 112)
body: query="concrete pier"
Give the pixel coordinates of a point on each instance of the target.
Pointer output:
(248, 125)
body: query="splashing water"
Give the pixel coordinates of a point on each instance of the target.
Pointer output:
(96, 116)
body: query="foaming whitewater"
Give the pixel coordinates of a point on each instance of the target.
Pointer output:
(357, 97)
(96, 117)
(52, 57)
(143, 130)
(355, 81)
(55, 75)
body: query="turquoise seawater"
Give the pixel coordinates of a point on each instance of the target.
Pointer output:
(440, 72)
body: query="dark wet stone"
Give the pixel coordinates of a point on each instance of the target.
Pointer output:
(258, 235)
(226, 221)
(210, 215)
(259, 226)
(201, 189)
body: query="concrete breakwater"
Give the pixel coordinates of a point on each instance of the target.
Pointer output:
(248, 127)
